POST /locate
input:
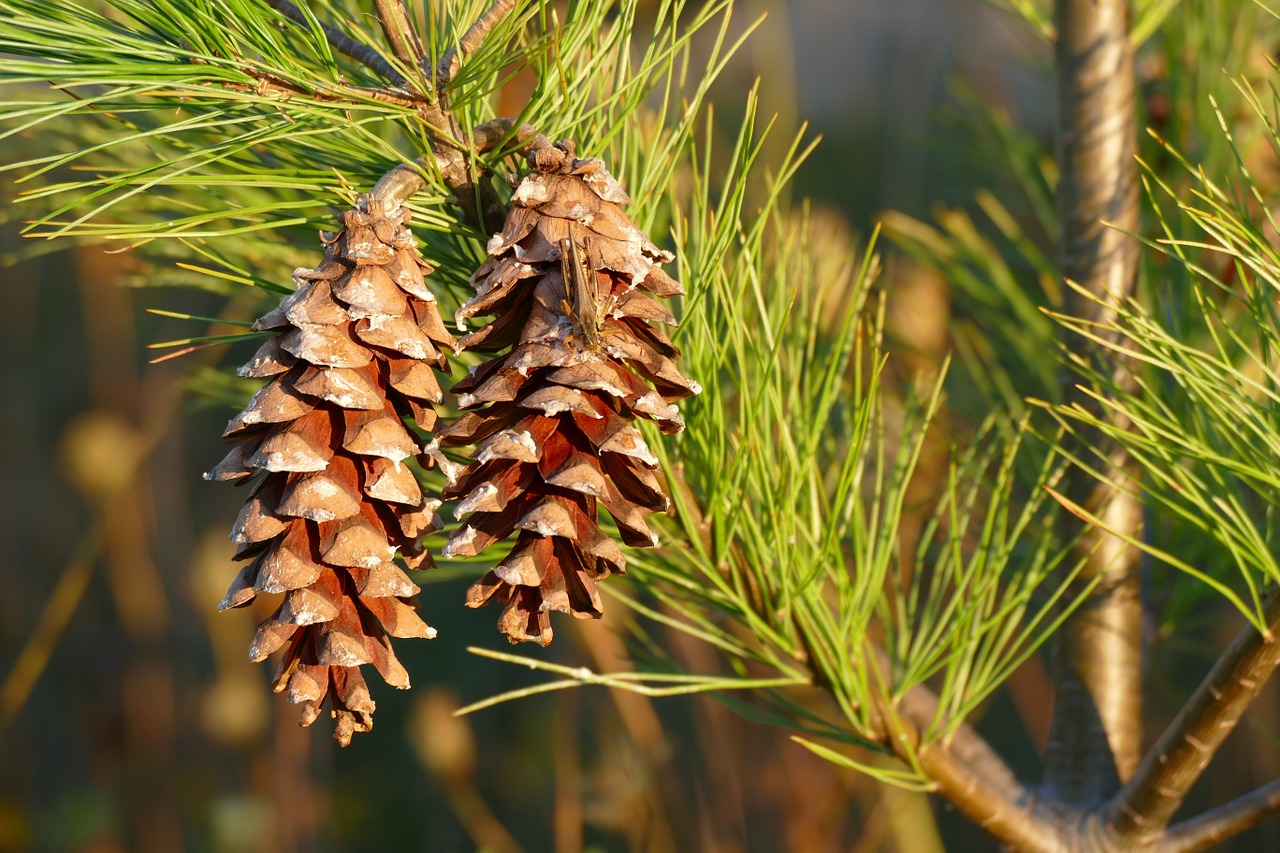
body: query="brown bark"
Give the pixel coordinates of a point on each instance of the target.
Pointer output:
(1216, 826)
(1095, 740)
(341, 42)
(969, 775)
(398, 30)
(1156, 791)
(471, 40)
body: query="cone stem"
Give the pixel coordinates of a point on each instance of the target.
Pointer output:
(408, 179)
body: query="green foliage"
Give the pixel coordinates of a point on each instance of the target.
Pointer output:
(215, 131)
(212, 95)
(791, 483)
(1204, 417)
(1190, 337)
(208, 119)
(998, 261)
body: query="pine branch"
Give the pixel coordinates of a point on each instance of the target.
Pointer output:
(1095, 739)
(964, 768)
(1176, 761)
(342, 43)
(471, 41)
(1018, 826)
(266, 83)
(478, 201)
(1227, 821)
(480, 204)
(970, 749)
(399, 32)
(969, 775)
(488, 136)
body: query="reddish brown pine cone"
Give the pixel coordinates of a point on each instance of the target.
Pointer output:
(353, 354)
(569, 283)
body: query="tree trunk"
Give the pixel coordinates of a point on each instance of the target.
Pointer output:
(1095, 740)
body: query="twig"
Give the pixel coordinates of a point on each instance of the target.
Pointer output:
(1020, 827)
(271, 84)
(399, 31)
(1095, 738)
(478, 201)
(993, 799)
(406, 180)
(488, 136)
(1175, 762)
(341, 42)
(919, 705)
(1226, 821)
(401, 183)
(470, 41)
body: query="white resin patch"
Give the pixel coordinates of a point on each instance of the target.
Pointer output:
(342, 392)
(342, 656)
(631, 443)
(303, 614)
(277, 460)
(530, 192)
(553, 407)
(462, 539)
(323, 487)
(449, 468)
(543, 529)
(586, 487)
(653, 404)
(521, 438)
(479, 496)
(602, 385)
(394, 452)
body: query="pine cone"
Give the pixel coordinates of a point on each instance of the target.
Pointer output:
(333, 504)
(568, 283)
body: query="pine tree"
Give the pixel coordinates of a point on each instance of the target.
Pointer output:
(784, 500)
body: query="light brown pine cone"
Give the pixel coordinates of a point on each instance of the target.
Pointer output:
(569, 282)
(352, 354)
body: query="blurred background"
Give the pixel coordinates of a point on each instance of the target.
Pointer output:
(131, 719)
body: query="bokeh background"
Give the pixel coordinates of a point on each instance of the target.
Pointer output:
(131, 719)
